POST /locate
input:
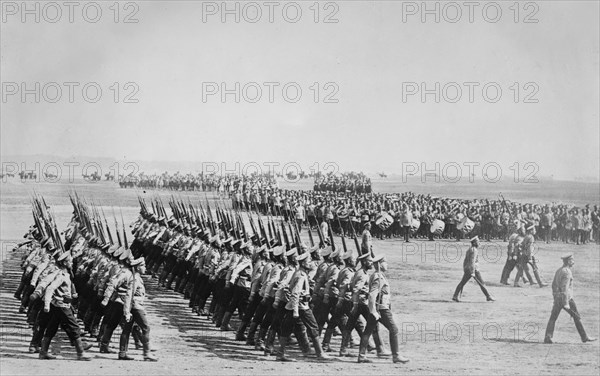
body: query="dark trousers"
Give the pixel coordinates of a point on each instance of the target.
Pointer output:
(41, 324)
(466, 277)
(113, 317)
(290, 324)
(138, 316)
(262, 310)
(354, 323)
(406, 233)
(239, 300)
(251, 308)
(387, 319)
(62, 316)
(509, 265)
(556, 308)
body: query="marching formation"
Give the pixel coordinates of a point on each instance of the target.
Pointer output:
(275, 283)
(91, 276)
(230, 263)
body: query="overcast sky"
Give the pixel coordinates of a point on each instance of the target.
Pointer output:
(371, 55)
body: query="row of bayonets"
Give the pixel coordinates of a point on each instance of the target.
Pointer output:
(228, 222)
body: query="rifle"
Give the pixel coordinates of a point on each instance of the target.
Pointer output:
(343, 237)
(355, 238)
(124, 233)
(117, 228)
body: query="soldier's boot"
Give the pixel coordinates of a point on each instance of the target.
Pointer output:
(44, 353)
(400, 359)
(251, 333)
(327, 339)
(34, 348)
(269, 349)
(304, 344)
(241, 332)
(225, 322)
(531, 282)
(362, 356)
(18, 293)
(81, 354)
(148, 354)
(517, 278)
(123, 346)
(259, 339)
(163, 277)
(283, 341)
(179, 283)
(219, 316)
(346, 337)
(538, 279)
(136, 333)
(200, 307)
(319, 350)
(169, 281)
(105, 349)
(382, 352)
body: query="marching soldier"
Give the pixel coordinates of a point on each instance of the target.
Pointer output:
(379, 309)
(297, 311)
(261, 267)
(134, 311)
(57, 301)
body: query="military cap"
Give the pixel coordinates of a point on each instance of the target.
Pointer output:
(118, 252)
(326, 252)
(365, 256)
(567, 256)
(112, 249)
(474, 238)
(378, 258)
(293, 251)
(137, 261)
(125, 255)
(278, 251)
(347, 255)
(302, 256)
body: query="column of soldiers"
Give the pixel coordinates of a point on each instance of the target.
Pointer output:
(88, 277)
(276, 284)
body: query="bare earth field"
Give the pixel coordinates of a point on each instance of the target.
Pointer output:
(438, 335)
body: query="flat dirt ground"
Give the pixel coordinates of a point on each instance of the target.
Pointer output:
(439, 336)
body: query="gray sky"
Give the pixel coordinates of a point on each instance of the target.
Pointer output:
(368, 54)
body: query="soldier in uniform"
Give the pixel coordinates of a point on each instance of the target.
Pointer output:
(380, 311)
(471, 270)
(297, 311)
(261, 267)
(281, 290)
(343, 304)
(240, 283)
(562, 290)
(57, 301)
(511, 258)
(265, 311)
(134, 311)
